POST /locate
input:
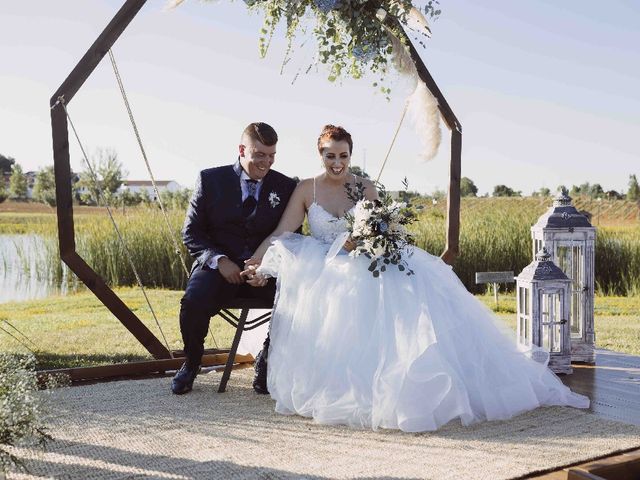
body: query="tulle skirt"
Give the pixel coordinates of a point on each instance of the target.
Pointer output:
(398, 351)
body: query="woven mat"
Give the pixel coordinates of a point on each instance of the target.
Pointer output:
(138, 429)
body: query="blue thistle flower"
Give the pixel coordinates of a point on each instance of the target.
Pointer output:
(364, 53)
(327, 5)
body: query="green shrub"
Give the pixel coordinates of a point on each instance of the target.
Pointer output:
(21, 420)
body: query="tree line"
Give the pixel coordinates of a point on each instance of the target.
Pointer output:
(469, 189)
(101, 184)
(98, 184)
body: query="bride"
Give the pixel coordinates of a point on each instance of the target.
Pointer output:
(397, 351)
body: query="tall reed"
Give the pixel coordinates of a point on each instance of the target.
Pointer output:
(491, 239)
(494, 236)
(146, 240)
(618, 261)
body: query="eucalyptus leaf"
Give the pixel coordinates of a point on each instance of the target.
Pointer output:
(341, 26)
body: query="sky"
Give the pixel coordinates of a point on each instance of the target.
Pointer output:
(547, 92)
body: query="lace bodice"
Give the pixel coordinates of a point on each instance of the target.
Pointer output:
(325, 226)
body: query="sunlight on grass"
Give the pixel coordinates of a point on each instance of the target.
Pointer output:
(77, 330)
(617, 320)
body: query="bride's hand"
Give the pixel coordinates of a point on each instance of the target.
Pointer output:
(254, 279)
(350, 244)
(249, 269)
(250, 266)
(252, 262)
(258, 280)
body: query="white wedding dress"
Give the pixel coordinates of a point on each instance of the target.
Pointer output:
(401, 352)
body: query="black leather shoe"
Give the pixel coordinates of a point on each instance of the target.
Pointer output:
(260, 377)
(183, 380)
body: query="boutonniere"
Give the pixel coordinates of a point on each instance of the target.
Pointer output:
(274, 199)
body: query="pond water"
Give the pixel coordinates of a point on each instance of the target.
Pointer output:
(25, 271)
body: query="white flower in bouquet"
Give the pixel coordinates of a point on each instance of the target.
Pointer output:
(367, 245)
(378, 228)
(361, 216)
(397, 206)
(380, 250)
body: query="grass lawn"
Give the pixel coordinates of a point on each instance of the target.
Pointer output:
(617, 320)
(31, 217)
(77, 330)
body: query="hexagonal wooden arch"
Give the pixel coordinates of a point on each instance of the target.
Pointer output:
(62, 168)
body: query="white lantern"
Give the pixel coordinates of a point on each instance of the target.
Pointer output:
(543, 292)
(570, 239)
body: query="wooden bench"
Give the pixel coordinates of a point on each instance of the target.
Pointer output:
(494, 278)
(240, 323)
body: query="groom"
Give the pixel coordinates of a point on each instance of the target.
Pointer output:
(232, 210)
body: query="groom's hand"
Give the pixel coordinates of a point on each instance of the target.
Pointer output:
(258, 280)
(254, 279)
(230, 271)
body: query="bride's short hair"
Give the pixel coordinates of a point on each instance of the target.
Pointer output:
(338, 134)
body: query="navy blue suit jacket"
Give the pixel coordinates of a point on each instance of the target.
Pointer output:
(214, 224)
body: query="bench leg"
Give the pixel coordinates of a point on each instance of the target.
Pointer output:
(232, 353)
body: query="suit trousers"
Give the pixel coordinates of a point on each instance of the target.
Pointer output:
(206, 292)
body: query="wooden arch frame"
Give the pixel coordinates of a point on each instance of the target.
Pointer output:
(62, 169)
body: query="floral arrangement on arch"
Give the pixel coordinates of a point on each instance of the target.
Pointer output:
(352, 36)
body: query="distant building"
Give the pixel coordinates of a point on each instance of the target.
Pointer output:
(138, 186)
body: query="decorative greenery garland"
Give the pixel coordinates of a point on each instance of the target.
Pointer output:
(351, 34)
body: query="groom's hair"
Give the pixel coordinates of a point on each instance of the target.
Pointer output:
(261, 132)
(338, 134)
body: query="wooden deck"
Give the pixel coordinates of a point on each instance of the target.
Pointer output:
(613, 385)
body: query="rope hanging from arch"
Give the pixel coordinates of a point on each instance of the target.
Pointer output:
(146, 160)
(136, 132)
(393, 141)
(18, 339)
(123, 244)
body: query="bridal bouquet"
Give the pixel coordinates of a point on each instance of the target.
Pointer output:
(379, 230)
